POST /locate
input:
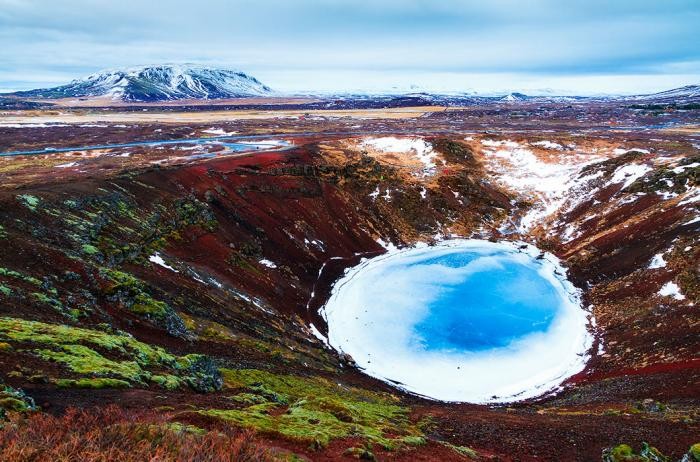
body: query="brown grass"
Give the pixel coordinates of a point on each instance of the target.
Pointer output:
(112, 434)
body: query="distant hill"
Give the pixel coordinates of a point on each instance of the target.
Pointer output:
(158, 83)
(689, 93)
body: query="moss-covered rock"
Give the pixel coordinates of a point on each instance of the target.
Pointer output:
(14, 400)
(29, 201)
(115, 357)
(625, 453)
(93, 383)
(316, 411)
(693, 454)
(135, 295)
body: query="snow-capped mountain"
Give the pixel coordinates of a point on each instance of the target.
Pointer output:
(513, 97)
(679, 95)
(159, 83)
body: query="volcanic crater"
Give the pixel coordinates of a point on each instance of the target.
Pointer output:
(149, 277)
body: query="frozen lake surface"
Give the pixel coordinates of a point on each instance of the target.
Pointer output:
(465, 320)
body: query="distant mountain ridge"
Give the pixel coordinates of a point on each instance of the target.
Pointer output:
(688, 92)
(159, 83)
(171, 82)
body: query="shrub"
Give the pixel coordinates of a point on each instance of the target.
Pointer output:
(111, 433)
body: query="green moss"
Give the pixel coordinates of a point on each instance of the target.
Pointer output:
(4, 290)
(3, 233)
(12, 404)
(360, 453)
(130, 360)
(625, 453)
(461, 450)
(93, 383)
(90, 249)
(414, 440)
(14, 400)
(694, 451)
(146, 305)
(318, 412)
(43, 298)
(19, 276)
(29, 201)
(133, 293)
(169, 382)
(249, 398)
(83, 360)
(620, 453)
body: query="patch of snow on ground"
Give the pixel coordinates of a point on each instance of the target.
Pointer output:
(628, 174)
(548, 145)
(67, 165)
(218, 132)
(680, 168)
(317, 333)
(691, 197)
(387, 245)
(657, 262)
(620, 151)
(420, 148)
(29, 125)
(374, 194)
(268, 263)
(671, 289)
(158, 260)
(547, 183)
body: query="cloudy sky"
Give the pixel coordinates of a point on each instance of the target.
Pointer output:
(573, 46)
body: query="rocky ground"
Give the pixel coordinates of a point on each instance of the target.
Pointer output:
(154, 277)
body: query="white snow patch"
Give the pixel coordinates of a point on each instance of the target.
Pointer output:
(657, 261)
(671, 289)
(548, 145)
(681, 168)
(158, 260)
(387, 245)
(628, 174)
(620, 151)
(420, 148)
(29, 125)
(67, 165)
(694, 220)
(268, 263)
(317, 333)
(691, 197)
(218, 132)
(546, 183)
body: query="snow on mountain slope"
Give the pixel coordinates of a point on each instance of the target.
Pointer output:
(159, 83)
(546, 184)
(687, 92)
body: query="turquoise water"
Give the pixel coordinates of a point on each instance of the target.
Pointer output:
(488, 308)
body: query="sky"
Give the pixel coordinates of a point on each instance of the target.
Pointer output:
(534, 46)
